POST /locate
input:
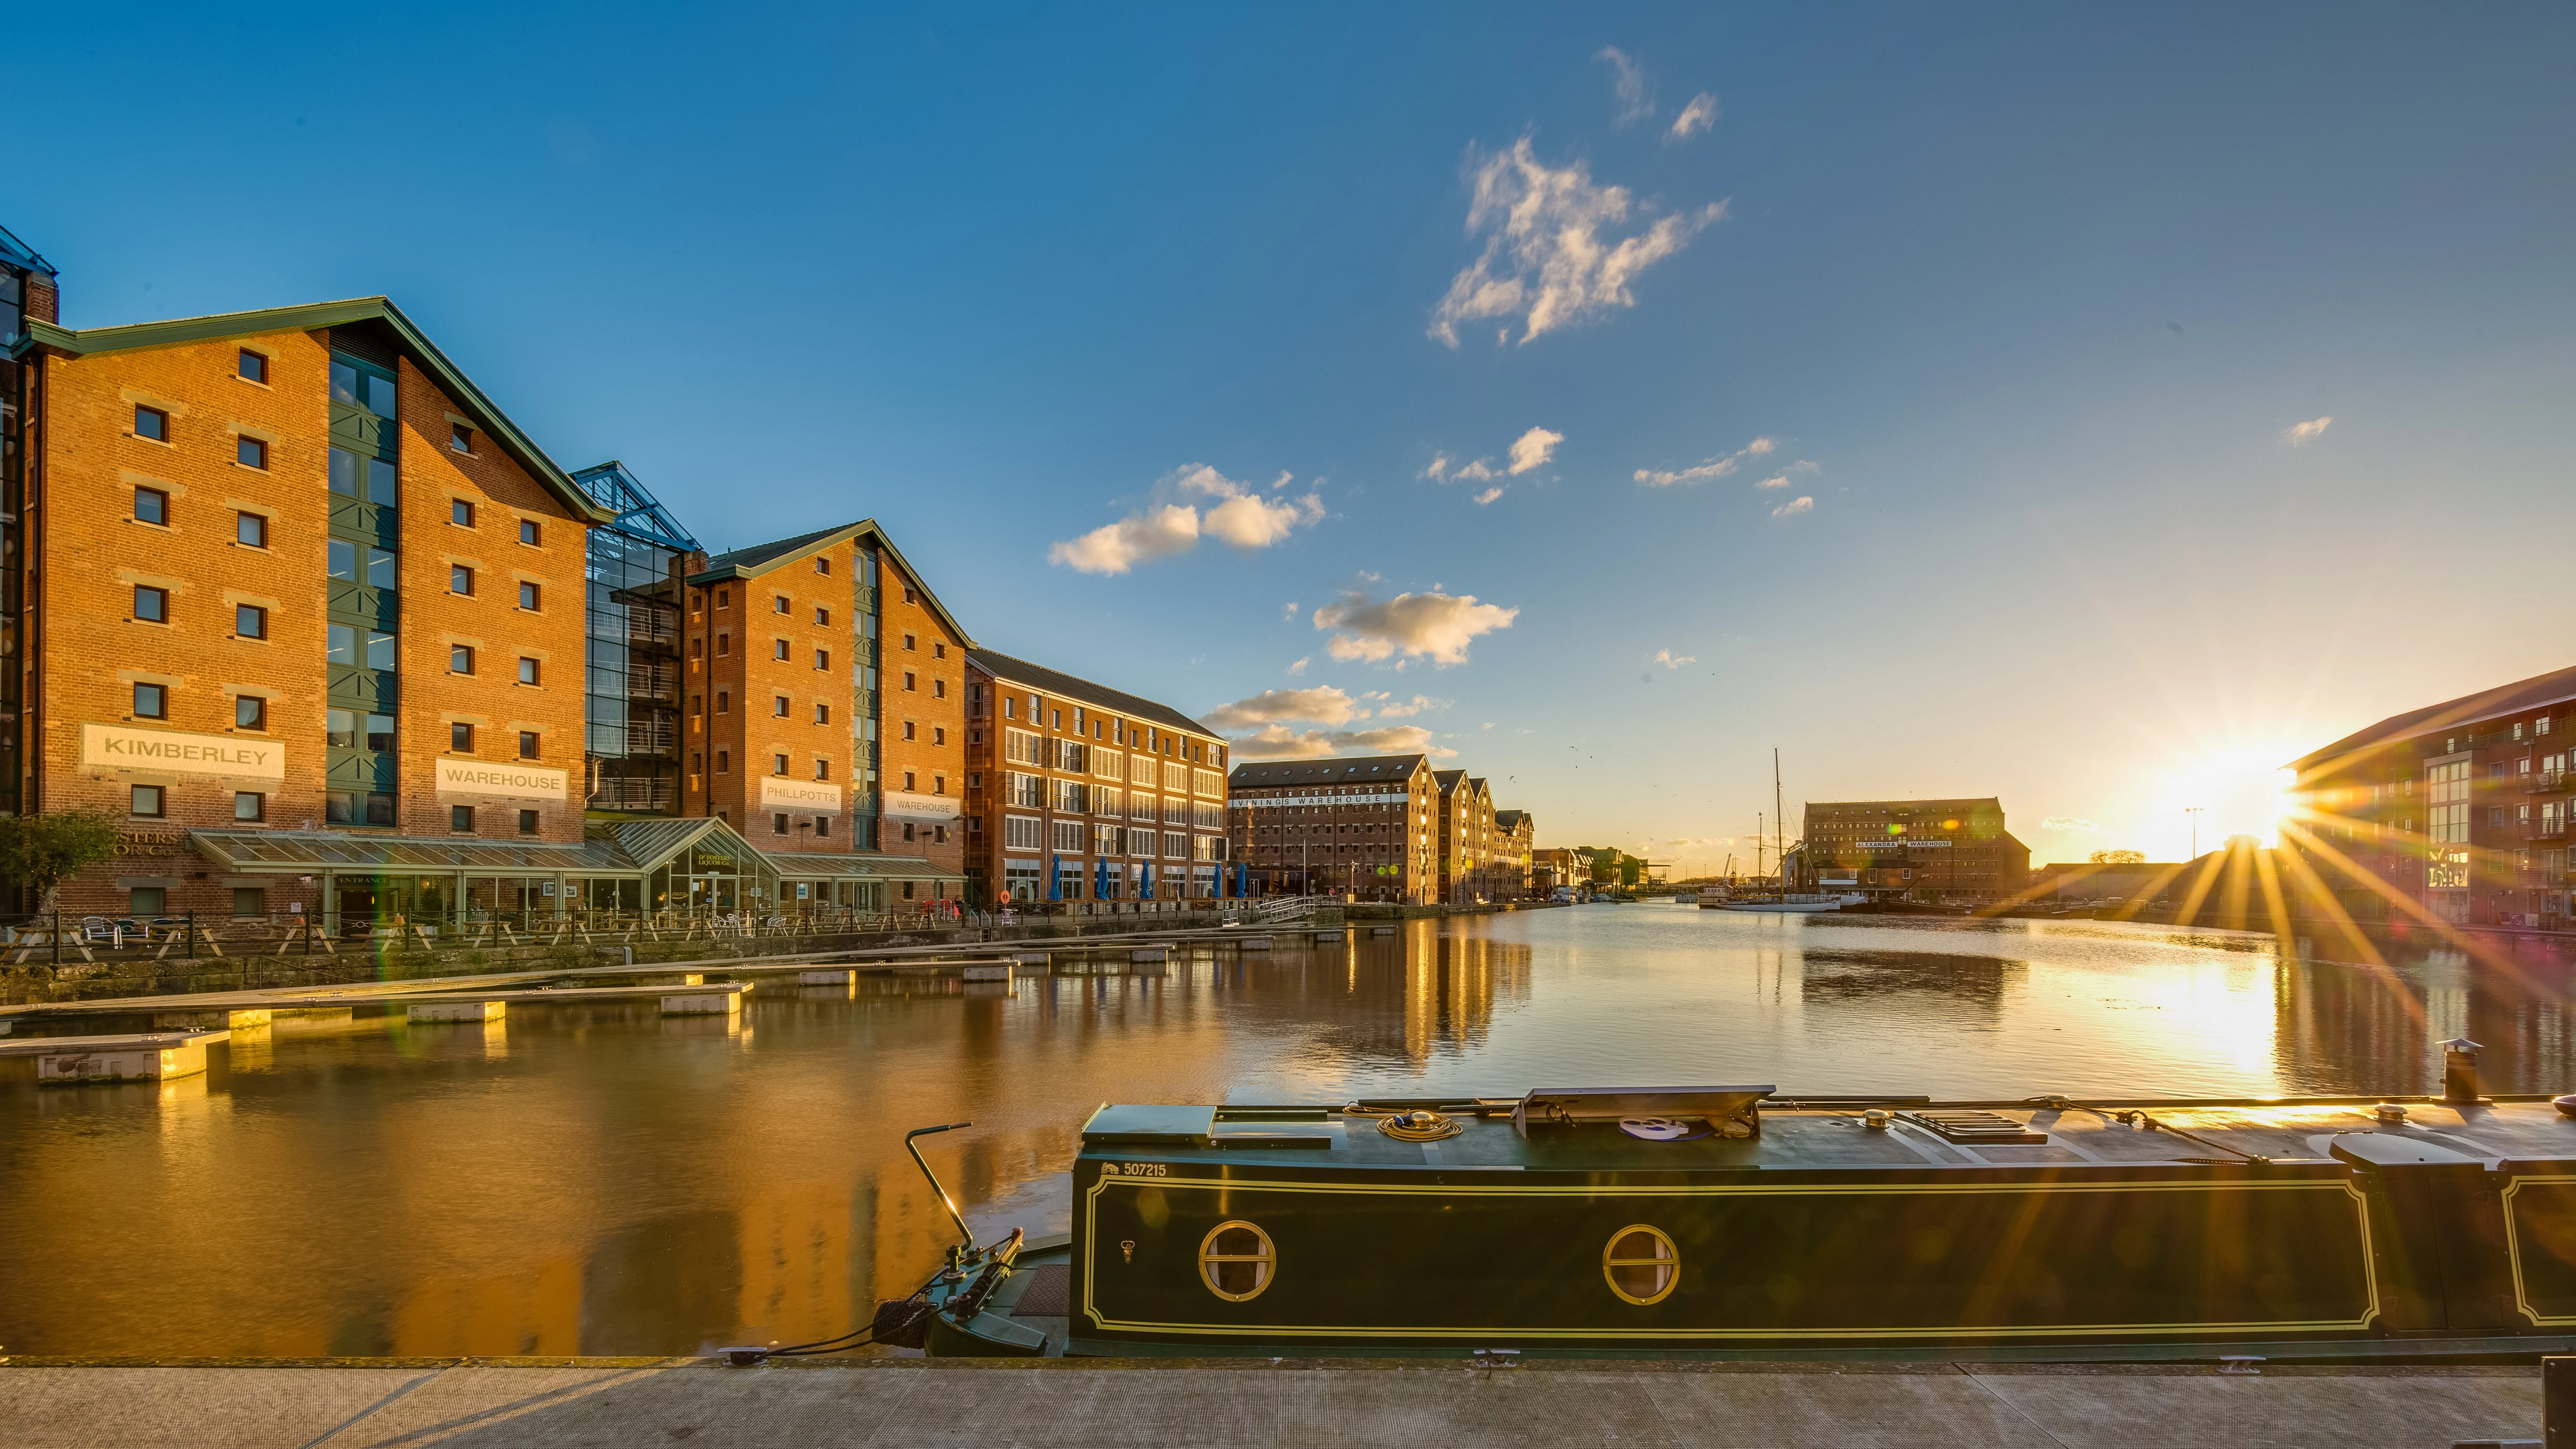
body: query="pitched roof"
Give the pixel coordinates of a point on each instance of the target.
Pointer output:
(2556, 687)
(1057, 682)
(315, 316)
(1268, 774)
(1509, 819)
(760, 558)
(1448, 779)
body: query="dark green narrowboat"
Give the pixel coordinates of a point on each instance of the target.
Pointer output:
(1724, 1222)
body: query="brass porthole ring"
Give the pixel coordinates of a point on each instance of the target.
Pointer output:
(1237, 1261)
(1642, 1264)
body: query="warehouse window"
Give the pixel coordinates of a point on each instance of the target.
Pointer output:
(460, 818)
(460, 580)
(528, 822)
(151, 605)
(250, 712)
(460, 438)
(151, 423)
(460, 737)
(146, 800)
(460, 513)
(251, 453)
(460, 659)
(528, 742)
(527, 670)
(529, 595)
(529, 532)
(253, 365)
(251, 529)
(249, 805)
(250, 621)
(151, 505)
(151, 701)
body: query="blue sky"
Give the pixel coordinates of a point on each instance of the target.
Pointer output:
(2027, 302)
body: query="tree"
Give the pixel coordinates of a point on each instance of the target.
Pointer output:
(37, 851)
(2119, 857)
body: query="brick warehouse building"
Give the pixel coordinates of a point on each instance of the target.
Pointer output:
(1931, 850)
(1371, 826)
(1081, 793)
(2460, 809)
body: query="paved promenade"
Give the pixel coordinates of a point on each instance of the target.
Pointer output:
(488, 1404)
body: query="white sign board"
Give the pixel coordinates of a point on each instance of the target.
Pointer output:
(482, 777)
(812, 795)
(905, 805)
(119, 747)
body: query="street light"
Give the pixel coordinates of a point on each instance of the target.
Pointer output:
(2194, 812)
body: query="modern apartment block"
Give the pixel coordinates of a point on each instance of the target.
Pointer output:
(824, 714)
(1081, 793)
(2459, 808)
(1373, 827)
(1926, 850)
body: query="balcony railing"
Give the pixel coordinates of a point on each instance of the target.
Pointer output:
(2544, 782)
(2547, 827)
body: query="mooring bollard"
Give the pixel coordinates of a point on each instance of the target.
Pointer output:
(2460, 1072)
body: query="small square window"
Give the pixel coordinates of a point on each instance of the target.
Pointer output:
(151, 701)
(778, 706)
(251, 528)
(938, 736)
(938, 651)
(909, 643)
(151, 423)
(460, 437)
(724, 701)
(529, 532)
(822, 617)
(778, 649)
(528, 822)
(778, 825)
(249, 805)
(939, 689)
(250, 712)
(528, 741)
(151, 505)
(460, 513)
(822, 565)
(907, 682)
(250, 621)
(460, 818)
(724, 645)
(460, 659)
(910, 597)
(778, 764)
(151, 605)
(781, 606)
(460, 580)
(460, 737)
(253, 365)
(907, 729)
(148, 900)
(822, 769)
(822, 714)
(250, 901)
(146, 800)
(527, 670)
(724, 761)
(528, 595)
(822, 827)
(822, 658)
(907, 782)
(251, 453)
(724, 598)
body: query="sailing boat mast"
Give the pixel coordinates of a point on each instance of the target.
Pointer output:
(1780, 840)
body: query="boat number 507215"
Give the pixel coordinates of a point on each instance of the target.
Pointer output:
(1136, 1169)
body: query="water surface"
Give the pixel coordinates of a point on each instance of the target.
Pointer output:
(601, 1180)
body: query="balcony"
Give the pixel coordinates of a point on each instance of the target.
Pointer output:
(630, 793)
(2547, 827)
(2543, 782)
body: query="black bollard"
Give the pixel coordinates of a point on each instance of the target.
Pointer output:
(2460, 1073)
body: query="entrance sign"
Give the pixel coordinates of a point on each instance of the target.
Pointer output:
(479, 777)
(121, 747)
(814, 795)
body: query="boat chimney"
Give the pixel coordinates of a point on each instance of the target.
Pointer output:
(2460, 1072)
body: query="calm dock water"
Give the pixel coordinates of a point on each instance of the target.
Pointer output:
(601, 1179)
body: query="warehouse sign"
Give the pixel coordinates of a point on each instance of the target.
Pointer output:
(117, 747)
(777, 793)
(483, 777)
(905, 805)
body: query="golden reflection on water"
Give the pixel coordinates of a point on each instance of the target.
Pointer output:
(599, 1179)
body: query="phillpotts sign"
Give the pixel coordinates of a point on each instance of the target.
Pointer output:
(525, 782)
(780, 794)
(115, 747)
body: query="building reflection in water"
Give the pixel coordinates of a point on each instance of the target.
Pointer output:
(599, 1180)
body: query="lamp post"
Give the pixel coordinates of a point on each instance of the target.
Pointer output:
(2194, 812)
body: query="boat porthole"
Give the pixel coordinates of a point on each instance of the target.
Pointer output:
(1642, 1264)
(1236, 1261)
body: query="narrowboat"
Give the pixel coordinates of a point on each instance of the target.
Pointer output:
(1716, 1222)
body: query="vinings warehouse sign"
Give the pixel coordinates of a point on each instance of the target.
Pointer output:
(116, 747)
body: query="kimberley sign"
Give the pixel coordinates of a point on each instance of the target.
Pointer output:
(115, 747)
(478, 777)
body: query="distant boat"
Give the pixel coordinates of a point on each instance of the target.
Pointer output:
(1794, 904)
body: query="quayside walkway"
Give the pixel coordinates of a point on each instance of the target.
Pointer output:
(487, 1404)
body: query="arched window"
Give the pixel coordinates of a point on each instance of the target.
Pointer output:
(1236, 1261)
(1642, 1264)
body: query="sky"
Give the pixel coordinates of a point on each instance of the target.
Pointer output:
(2094, 407)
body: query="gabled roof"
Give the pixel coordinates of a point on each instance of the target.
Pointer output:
(2556, 687)
(1362, 769)
(315, 316)
(1509, 819)
(1449, 779)
(760, 558)
(638, 512)
(1050, 681)
(18, 254)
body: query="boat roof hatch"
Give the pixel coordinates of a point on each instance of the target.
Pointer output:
(1166, 1126)
(1566, 1106)
(2391, 1149)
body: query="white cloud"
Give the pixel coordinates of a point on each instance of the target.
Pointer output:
(1240, 517)
(1545, 260)
(1278, 742)
(1439, 469)
(1670, 660)
(1628, 83)
(1113, 548)
(1794, 506)
(2309, 431)
(1701, 472)
(1439, 626)
(1696, 117)
(1323, 704)
(1489, 495)
(1419, 704)
(1292, 611)
(1299, 667)
(2074, 824)
(1533, 448)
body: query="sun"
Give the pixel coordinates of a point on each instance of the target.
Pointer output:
(2238, 790)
